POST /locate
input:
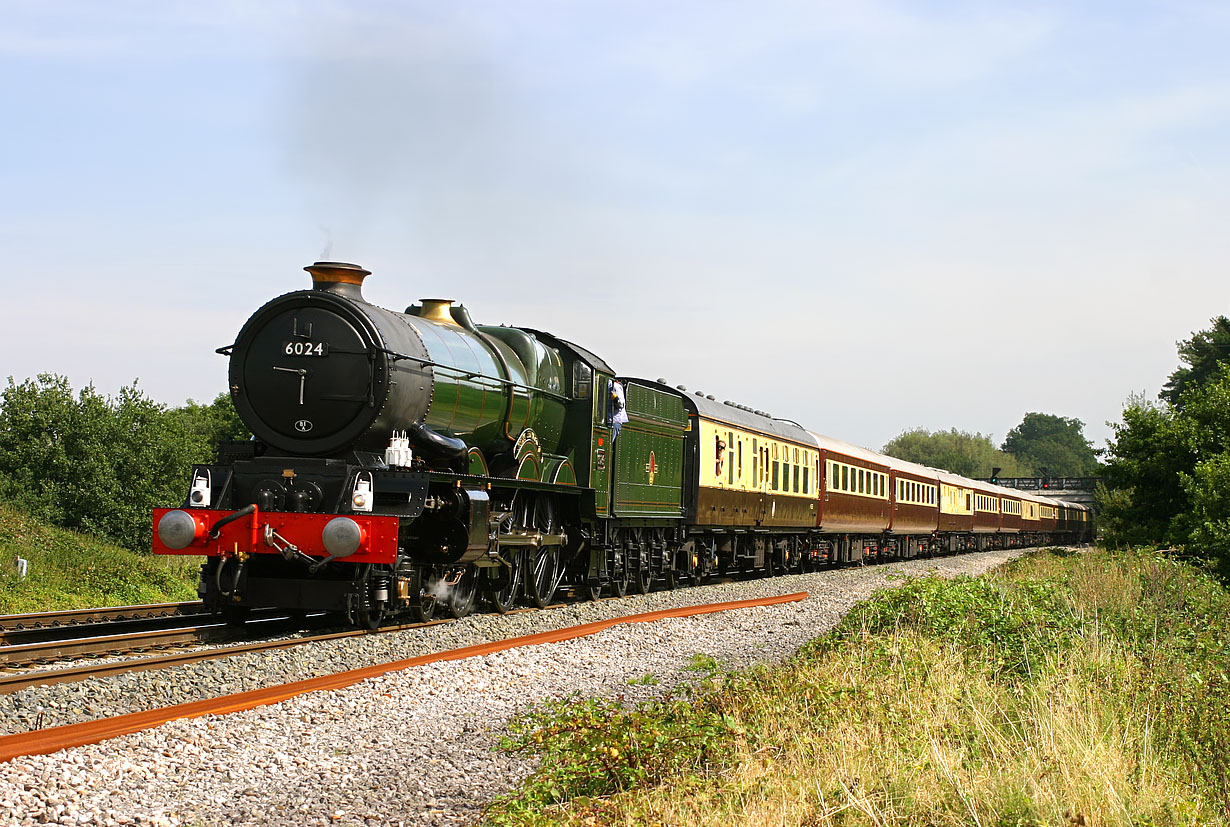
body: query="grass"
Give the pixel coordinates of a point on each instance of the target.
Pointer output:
(1084, 689)
(68, 570)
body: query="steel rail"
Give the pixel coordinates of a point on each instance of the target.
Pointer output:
(102, 645)
(71, 674)
(46, 741)
(75, 617)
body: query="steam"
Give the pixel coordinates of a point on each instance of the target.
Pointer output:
(387, 123)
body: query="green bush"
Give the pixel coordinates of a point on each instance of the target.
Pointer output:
(99, 464)
(594, 747)
(1007, 627)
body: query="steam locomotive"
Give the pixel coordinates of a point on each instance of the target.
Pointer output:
(408, 463)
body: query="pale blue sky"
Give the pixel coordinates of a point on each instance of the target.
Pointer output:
(863, 216)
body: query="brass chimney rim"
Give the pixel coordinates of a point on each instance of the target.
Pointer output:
(437, 310)
(337, 272)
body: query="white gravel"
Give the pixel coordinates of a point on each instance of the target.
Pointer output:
(410, 748)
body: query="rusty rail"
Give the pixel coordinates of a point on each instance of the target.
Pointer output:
(45, 741)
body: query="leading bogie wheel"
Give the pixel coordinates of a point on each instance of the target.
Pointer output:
(422, 604)
(463, 594)
(503, 595)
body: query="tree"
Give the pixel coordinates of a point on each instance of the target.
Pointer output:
(970, 455)
(1204, 354)
(1146, 456)
(93, 463)
(1055, 443)
(1168, 472)
(212, 423)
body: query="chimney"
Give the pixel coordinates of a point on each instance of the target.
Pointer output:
(339, 277)
(438, 311)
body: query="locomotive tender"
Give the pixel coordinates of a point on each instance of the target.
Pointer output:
(403, 463)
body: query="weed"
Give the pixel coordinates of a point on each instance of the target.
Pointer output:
(1064, 690)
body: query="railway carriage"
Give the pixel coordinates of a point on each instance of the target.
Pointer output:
(1031, 518)
(855, 506)
(1048, 515)
(956, 511)
(987, 516)
(755, 487)
(1010, 515)
(404, 463)
(916, 514)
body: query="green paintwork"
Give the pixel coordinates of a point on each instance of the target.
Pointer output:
(558, 470)
(471, 395)
(597, 467)
(477, 465)
(649, 455)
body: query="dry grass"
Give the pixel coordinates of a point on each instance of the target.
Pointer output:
(899, 727)
(937, 745)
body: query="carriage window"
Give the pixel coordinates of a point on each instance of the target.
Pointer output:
(796, 479)
(776, 468)
(730, 467)
(740, 459)
(845, 478)
(806, 468)
(755, 464)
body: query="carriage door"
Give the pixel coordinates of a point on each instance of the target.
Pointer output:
(600, 447)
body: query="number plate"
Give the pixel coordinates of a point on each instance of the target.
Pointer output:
(302, 347)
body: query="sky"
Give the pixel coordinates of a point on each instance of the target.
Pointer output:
(864, 216)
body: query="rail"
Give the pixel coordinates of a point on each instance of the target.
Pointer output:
(44, 741)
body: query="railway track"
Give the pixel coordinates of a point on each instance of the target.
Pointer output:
(76, 617)
(26, 647)
(68, 674)
(132, 632)
(43, 741)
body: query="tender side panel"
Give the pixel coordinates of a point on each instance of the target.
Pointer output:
(648, 478)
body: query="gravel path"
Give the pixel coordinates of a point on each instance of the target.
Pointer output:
(408, 748)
